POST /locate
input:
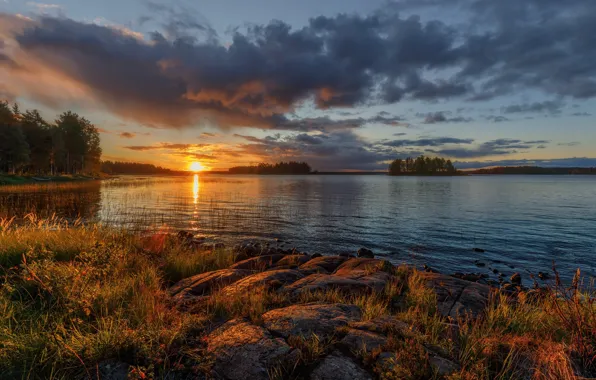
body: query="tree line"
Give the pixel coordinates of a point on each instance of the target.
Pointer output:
(118, 167)
(533, 170)
(422, 166)
(291, 167)
(31, 145)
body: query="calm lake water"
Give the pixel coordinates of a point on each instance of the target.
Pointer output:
(522, 222)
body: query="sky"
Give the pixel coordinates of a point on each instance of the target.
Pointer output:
(341, 84)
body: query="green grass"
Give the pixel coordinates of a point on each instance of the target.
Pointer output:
(73, 297)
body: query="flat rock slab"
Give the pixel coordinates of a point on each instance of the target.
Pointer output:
(363, 267)
(244, 351)
(324, 282)
(383, 325)
(205, 283)
(457, 297)
(273, 279)
(324, 264)
(362, 340)
(337, 366)
(258, 263)
(292, 260)
(308, 319)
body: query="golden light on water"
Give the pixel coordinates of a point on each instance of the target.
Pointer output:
(196, 166)
(195, 189)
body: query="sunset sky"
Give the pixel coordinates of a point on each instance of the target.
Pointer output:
(341, 84)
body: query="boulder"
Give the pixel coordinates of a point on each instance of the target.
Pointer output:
(358, 267)
(244, 351)
(337, 366)
(362, 340)
(273, 279)
(442, 367)
(258, 263)
(324, 282)
(205, 283)
(384, 324)
(292, 261)
(323, 264)
(456, 297)
(364, 252)
(307, 319)
(516, 279)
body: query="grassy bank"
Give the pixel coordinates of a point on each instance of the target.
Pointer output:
(14, 179)
(75, 300)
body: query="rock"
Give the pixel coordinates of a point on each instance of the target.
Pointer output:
(315, 255)
(363, 266)
(472, 277)
(315, 318)
(205, 283)
(322, 282)
(273, 279)
(292, 261)
(362, 340)
(323, 264)
(516, 279)
(429, 269)
(479, 264)
(258, 263)
(337, 366)
(442, 366)
(367, 253)
(479, 250)
(112, 370)
(383, 325)
(244, 351)
(185, 236)
(346, 255)
(456, 296)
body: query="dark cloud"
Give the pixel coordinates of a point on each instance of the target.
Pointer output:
(555, 162)
(496, 118)
(549, 106)
(437, 141)
(581, 114)
(498, 147)
(165, 146)
(573, 143)
(127, 135)
(443, 117)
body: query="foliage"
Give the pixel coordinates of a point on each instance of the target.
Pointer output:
(29, 144)
(291, 167)
(117, 167)
(533, 170)
(422, 166)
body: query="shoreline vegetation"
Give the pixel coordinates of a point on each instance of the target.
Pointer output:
(86, 301)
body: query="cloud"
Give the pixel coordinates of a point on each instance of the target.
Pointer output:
(498, 147)
(549, 106)
(581, 114)
(572, 143)
(442, 117)
(555, 162)
(207, 134)
(496, 118)
(437, 141)
(165, 146)
(127, 135)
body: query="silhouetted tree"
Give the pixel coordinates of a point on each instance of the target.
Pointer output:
(291, 167)
(422, 166)
(14, 149)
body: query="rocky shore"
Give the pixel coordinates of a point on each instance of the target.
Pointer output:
(357, 346)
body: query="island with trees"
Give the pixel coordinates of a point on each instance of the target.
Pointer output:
(422, 166)
(32, 146)
(291, 167)
(118, 167)
(532, 170)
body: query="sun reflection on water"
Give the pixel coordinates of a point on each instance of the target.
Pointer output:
(195, 189)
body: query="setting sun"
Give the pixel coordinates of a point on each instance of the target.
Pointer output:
(196, 167)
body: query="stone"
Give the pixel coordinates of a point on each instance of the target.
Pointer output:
(112, 370)
(456, 297)
(270, 280)
(258, 262)
(323, 282)
(384, 324)
(363, 341)
(543, 276)
(206, 283)
(244, 351)
(292, 261)
(323, 264)
(442, 366)
(516, 279)
(479, 250)
(315, 255)
(337, 366)
(307, 319)
(362, 266)
(364, 252)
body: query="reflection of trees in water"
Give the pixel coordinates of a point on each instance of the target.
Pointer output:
(62, 200)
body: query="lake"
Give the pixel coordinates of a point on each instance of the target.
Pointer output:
(522, 222)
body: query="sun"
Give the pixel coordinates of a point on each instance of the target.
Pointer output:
(196, 166)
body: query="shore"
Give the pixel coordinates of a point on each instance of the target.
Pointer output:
(13, 179)
(92, 302)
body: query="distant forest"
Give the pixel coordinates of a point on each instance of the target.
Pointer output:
(31, 145)
(532, 170)
(278, 168)
(117, 167)
(422, 166)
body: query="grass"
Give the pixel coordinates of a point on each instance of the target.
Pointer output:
(14, 179)
(75, 297)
